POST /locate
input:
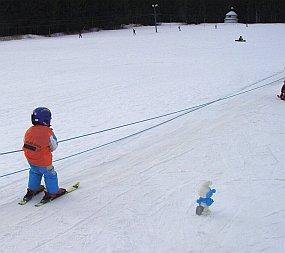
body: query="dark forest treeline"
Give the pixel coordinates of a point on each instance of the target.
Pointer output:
(51, 16)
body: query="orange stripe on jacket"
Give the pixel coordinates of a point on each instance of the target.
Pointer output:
(37, 145)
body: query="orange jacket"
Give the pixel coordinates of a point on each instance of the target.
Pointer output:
(37, 145)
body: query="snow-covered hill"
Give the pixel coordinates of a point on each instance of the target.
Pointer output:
(138, 194)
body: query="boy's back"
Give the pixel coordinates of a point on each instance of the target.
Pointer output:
(37, 145)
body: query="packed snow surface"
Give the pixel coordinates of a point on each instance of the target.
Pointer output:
(139, 194)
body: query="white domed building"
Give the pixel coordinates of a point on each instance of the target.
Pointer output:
(231, 17)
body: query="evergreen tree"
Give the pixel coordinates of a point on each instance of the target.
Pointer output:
(49, 16)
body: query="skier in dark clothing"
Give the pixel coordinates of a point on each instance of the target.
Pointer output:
(282, 94)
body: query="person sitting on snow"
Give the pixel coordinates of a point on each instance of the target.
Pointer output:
(240, 39)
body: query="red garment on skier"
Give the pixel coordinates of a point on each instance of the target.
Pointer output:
(37, 145)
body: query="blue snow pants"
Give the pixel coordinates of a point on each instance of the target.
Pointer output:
(50, 177)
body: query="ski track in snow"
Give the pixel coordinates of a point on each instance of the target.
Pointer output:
(139, 195)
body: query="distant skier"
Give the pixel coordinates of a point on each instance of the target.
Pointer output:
(39, 143)
(282, 94)
(80, 35)
(134, 31)
(179, 28)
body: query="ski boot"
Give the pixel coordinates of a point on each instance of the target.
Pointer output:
(51, 196)
(30, 194)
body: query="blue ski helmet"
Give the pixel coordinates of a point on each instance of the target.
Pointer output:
(41, 116)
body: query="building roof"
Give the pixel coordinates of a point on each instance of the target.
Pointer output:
(231, 13)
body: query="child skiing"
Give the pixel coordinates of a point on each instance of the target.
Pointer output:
(39, 143)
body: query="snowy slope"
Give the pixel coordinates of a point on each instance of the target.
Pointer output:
(138, 195)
